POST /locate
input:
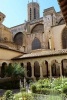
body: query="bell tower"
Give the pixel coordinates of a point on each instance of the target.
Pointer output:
(33, 11)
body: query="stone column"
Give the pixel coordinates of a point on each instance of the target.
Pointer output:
(41, 72)
(32, 66)
(25, 66)
(49, 66)
(60, 69)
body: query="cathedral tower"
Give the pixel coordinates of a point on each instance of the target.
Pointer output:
(33, 11)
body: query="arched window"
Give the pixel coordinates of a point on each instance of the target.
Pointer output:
(3, 69)
(34, 13)
(38, 28)
(64, 38)
(36, 44)
(30, 13)
(18, 38)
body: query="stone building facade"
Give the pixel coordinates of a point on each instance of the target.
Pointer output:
(44, 40)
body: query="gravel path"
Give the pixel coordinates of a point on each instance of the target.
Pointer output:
(3, 91)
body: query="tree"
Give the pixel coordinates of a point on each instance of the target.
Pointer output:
(15, 70)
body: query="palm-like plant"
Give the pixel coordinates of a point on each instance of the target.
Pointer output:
(15, 70)
(18, 70)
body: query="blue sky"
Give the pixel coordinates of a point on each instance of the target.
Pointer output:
(16, 10)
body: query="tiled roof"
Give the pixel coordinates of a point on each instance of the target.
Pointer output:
(43, 53)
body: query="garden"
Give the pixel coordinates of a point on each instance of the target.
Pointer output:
(46, 89)
(43, 89)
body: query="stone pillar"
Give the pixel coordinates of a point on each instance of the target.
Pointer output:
(49, 66)
(25, 66)
(32, 66)
(41, 72)
(60, 69)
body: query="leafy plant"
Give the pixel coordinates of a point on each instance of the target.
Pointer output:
(27, 96)
(33, 87)
(9, 70)
(15, 70)
(8, 95)
(18, 70)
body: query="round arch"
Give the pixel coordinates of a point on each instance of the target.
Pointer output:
(22, 65)
(55, 68)
(29, 69)
(3, 69)
(64, 67)
(36, 69)
(18, 38)
(45, 69)
(38, 28)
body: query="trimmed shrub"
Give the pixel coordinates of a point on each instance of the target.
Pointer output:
(65, 89)
(33, 87)
(43, 91)
(8, 95)
(27, 96)
(55, 92)
(22, 89)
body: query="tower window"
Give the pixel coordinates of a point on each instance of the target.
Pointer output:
(30, 13)
(34, 13)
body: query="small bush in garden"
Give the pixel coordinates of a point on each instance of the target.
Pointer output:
(18, 96)
(33, 87)
(45, 91)
(8, 95)
(55, 92)
(23, 89)
(65, 89)
(27, 96)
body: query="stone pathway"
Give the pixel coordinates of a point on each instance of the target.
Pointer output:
(3, 91)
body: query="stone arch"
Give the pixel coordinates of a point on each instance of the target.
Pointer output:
(36, 44)
(64, 38)
(38, 28)
(45, 68)
(61, 21)
(64, 67)
(22, 65)
(3, 69)
(18, 38)
(55, 68)
(36, 69)
(29, 69)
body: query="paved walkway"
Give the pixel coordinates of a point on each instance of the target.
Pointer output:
(3, 91)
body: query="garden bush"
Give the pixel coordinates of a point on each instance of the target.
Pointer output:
(27, 96)
(33, 88)
(65, 89)
(22, 89)
(44, 91)
(54, 86)
(8, 95)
